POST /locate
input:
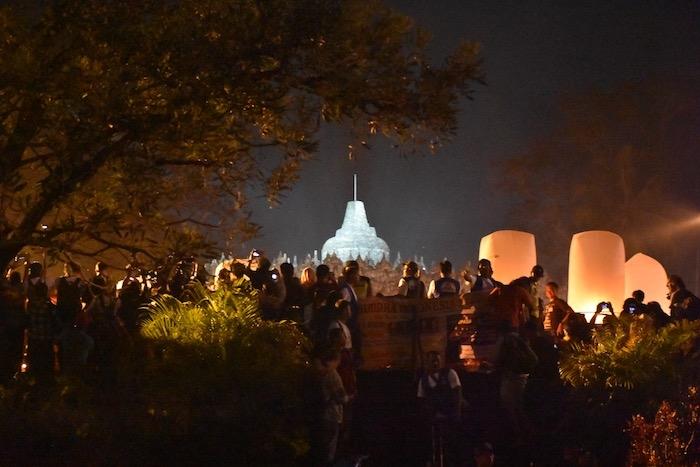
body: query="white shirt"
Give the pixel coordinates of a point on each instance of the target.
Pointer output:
(487, 285)
(346, 332)
(433, 378)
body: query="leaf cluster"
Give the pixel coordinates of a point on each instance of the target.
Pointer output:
(670, 439)
(210, 379)
(629, 355)
(127, 125)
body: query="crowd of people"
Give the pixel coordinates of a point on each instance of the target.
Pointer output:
(77, 322)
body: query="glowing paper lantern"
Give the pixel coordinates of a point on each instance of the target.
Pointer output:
(596, 271)
(644, 273)
(512, 253)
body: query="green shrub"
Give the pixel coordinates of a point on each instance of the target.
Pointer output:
(629, 355)
(208, 380)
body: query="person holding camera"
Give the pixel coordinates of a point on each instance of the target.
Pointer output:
(268, 282)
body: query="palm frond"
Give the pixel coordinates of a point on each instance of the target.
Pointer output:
(627, 354)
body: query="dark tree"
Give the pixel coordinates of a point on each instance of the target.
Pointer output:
(620, 160)
(135, 126)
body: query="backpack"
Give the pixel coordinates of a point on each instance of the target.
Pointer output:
(441, 398)
(415, 288)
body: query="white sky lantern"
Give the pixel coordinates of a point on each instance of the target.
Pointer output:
(644, 273)
(596, 271)
(512, 253)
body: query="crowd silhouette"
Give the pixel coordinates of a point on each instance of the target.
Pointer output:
(75, 326)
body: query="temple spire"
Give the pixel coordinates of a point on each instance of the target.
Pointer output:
(355, 236)
(354, 187)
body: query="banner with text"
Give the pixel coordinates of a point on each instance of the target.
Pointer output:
(396, 332)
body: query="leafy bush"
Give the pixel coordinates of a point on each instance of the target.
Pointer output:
(629, 354)
(629, 368)
(209, 379)
(671, 438)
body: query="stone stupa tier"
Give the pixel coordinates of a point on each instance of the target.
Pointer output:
(356, 238)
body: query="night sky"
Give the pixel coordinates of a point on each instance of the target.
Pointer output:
(534, 52)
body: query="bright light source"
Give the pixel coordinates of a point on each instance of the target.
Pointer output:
(512, 253)
(596, 271)
(644, 273)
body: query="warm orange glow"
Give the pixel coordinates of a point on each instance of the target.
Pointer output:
(596, 271)
(644, 273)
(512, 253)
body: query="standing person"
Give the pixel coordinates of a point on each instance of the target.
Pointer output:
(100, 282)
(684, 305)
(102, 326)
(240, 283)
(410, 286)
(349, 283)
(516, 360)
(293, 307)
(350, 280)
(131, 298)
(362, 285)
(511, 303)
(654, 311)
(340, 337)
(440, 404)
(100, 296)
(325, 284)
(328, 410)
(272, 294)
(72, 293)
(446, 286)
(12, 325)
(536, 275)
(308, 282)
(484, 281)
(323, 317)
(268, 282)
(556, 312)
(184, 274)
(41, 323)
(258, 269)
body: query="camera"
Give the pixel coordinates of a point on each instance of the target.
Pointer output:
(255, 253)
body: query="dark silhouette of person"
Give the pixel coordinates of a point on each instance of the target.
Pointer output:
(684, 305)
(484, 281)
(294, 297)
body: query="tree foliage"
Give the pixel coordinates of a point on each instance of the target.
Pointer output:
(135, 126)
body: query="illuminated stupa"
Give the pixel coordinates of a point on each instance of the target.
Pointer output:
(356, 238)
